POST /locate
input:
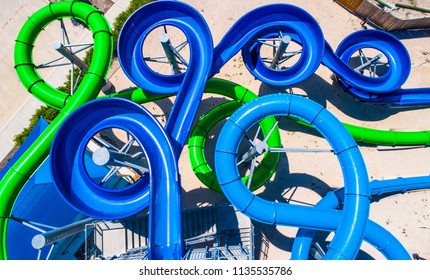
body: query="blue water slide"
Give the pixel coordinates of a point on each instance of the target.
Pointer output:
(376, 235)
(349, 224)
(399, 97)
(189, 86)
(385, 89)
(159, 187)
(36, 202)
(267, 21)
(395, 52)
(277, 20)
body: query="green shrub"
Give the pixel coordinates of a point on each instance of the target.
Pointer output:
(45, 112)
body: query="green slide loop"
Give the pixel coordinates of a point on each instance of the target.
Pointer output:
(23, 53)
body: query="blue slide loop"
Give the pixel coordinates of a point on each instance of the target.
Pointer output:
(375, 234)
(397, 55)
(68, 166)
(272, 19)
(146, 19)
(188, 86)
(398, 71)
(388, 245)
(161, 193)
(349, 224)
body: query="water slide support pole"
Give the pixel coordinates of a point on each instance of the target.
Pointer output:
(167, 47)
(285, 41)
(59, 47)
(41, 240)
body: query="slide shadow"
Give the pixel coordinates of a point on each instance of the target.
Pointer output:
(411, 34)
(323, 92)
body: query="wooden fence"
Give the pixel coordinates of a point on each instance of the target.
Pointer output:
(371, 13)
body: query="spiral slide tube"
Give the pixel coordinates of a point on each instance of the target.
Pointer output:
(96, 201)
(24, 65)
(387, 88)
(259, 22)
(196, 143)
(243, 95)
(349, 224)
(19, 173)
(394, 50)
(262, 22)
(189, 86)
(197, 140)
(375, 235)
(301, 27)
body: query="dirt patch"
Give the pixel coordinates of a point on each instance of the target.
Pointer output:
(8, 157)
(102, 5)
(414, 11)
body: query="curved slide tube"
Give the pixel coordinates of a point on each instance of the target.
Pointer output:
(94, 78)
(259, 22)
(17, 176)
(197, 140)
(196, 146)
(189, 86)
(398, 71)
(349, 224)
(270, 20)
(394, 50)
(165, 233)
(93, 200)
(243, 95)
(265, 21)
(375, 235)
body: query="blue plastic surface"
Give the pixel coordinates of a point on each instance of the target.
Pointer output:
(37, 202)
(385, 89)
(85, 195)
(349, 224)
(375, 235)
(189, 86)
(263, 22)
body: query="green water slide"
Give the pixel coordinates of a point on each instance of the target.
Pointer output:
(90, 86)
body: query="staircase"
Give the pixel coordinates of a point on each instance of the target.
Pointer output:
(215, 232)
